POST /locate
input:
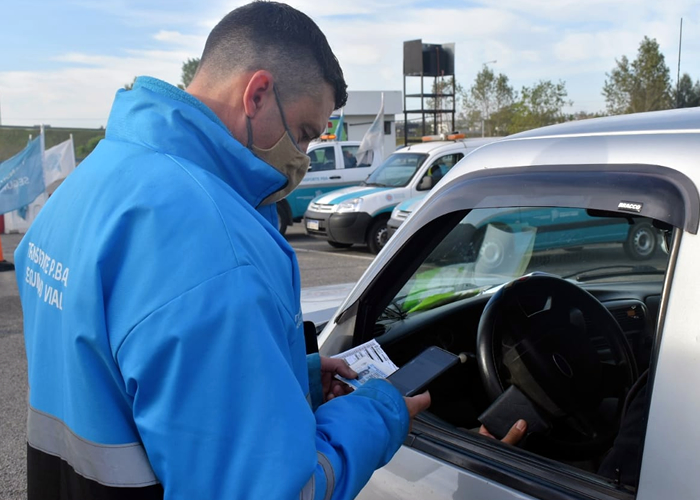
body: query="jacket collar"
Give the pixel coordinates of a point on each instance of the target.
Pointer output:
(168, 120)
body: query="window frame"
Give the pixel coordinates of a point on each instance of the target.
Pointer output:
(676, 199)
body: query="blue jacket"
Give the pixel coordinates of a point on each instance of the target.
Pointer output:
(163, 327)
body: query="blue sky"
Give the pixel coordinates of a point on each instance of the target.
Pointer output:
(63, 60)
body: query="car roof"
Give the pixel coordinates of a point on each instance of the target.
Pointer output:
(664, 138)
(317, 143)
(438, 146)
(636, 123)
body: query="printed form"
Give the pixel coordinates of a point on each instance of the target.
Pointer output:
(369, 361)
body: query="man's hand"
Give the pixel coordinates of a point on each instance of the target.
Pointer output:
(416, 404)
(332, 387)
(515, 434)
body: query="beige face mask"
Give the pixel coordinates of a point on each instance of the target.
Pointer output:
(285, 157)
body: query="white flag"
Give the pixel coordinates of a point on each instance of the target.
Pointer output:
(59, 161)
(372, 145)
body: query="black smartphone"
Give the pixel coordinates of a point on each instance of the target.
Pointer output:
(414, 377)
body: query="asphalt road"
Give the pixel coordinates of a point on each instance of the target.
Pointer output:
(319, 264)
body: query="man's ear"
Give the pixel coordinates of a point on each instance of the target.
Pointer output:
(258, 93)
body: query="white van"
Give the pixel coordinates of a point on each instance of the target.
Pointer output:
(360, 214)
(333, 166)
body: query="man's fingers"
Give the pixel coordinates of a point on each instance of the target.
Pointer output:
(345, 371)
(516, 433)
(337, 365)
(417, 404)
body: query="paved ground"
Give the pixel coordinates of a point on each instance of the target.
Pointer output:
(13, 383)
(319, 263)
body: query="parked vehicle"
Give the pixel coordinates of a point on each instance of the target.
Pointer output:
(557, 229)
(333, 166)
(603, 348)
(359, 215)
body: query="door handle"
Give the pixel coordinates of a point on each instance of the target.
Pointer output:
(334, 177)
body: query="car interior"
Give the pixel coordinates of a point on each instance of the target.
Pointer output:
(557, 319)
(322, 159)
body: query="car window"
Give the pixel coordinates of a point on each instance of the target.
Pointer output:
(397, 170)
(490, 247)
(443, 165)
(349, 156)
(440, 301)
(322, 158)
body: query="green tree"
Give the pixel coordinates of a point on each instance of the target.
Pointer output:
(189, 68)
(444, 99)
(643, 85)
(82, 150)
(686, 94)
(539, 106)
(488, 103)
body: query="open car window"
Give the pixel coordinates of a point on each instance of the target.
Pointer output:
(489, 247)
(441, 299)
(322, 158)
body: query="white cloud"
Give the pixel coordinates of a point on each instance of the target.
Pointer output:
(79, 96)
(573, 40)
(191, 42)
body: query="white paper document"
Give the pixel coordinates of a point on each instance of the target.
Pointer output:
(369, 361)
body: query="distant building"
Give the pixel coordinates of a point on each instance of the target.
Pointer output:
(361, 110)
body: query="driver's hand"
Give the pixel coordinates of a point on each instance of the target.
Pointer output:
(515, 434)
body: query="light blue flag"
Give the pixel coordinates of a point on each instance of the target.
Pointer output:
(22, 177)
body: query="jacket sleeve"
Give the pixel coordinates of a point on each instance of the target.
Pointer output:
(222, 414)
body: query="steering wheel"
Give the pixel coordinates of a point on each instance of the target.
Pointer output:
(535, 334)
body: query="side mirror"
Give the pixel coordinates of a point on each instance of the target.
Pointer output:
(426, 183)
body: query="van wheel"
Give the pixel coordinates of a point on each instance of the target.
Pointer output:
(641, 242)
(337, 244)
(378, 235)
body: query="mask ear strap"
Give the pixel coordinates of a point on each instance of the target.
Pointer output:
(250, 132)
(279, 106)
(284, 120)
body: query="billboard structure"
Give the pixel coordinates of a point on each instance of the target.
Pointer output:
(429, 60)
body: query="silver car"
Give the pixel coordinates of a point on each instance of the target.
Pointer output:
(598, 350)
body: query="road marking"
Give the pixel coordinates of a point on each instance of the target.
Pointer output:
(338, 254)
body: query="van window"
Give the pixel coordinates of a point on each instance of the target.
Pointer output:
(443, 165)
(322, 159)
(349, 156)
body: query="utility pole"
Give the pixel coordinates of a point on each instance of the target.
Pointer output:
(678, 74)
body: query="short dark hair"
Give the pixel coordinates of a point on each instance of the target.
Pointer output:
(280, 39)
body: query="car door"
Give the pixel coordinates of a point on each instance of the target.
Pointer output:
(425, 276)
(353, 172)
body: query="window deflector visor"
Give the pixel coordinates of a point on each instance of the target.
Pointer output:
(651, 191)
(656, 192)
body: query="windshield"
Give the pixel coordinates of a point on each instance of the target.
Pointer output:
(490, 247)
(397, 170)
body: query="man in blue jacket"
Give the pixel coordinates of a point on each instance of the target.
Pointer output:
(161, 305)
